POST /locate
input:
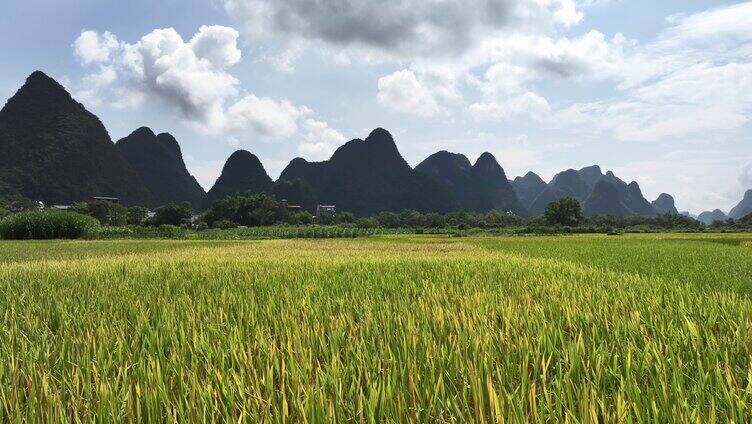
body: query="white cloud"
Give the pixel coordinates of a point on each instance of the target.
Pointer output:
(94, 82)
(91, 47)
(320, 141)
(218, 45)
(192, 77)
(694, 80)
(527, 104)
(265, 116)
(403, 92)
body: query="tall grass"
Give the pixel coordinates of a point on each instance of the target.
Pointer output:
(48, 224)
(403, 330)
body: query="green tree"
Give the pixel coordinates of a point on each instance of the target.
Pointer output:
(388, 220)
(566, 211)
(173, 214)
(746, 221)
(326, 218)
(247, 210)
(435, 220)
(107, 213)
(345, 218)
(16, 203)
(137, 215)
(300, 218)
(266, 211)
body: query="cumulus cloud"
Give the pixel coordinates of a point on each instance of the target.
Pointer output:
(402, 92)
(265, 116)
(91, 47)
(191, 76)
(320, 141)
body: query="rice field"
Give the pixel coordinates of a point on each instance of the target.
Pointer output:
(384, 329)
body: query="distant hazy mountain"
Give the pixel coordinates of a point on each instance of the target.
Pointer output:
(591, 175)
(480, 188)
(52, 149)
(159, 162)
(605, 200)
(528, 188)
(243, 173)
(549, 195)
(744, 207)
(665, 204)
(636, 202)
(571, 183)
(370, 176)
(565, 184)
(688, 214)
(581, 184)
(708, 218)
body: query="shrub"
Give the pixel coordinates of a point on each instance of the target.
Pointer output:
(170, 232)
(224, 224)
(41, 225)
(115, 233)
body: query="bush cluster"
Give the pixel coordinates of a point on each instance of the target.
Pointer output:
(47, 224)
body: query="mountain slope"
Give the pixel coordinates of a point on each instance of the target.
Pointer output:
(708, 218)
(158, 160)
(604, 200)
(528, 188)
(591, 175)
(571, 183)
(565, 184)
(494, 186)
(549, 195)
(455, 172)
(665, 204)
(481, 187)
(243, 173)
(370, 176)
(744, 207)
(636, 202)
(52, 149)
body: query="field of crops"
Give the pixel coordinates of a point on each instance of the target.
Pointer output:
(384, 329)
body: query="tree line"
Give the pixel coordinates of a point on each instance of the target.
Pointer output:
(262, 210)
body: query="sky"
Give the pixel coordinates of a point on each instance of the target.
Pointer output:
(658, 92)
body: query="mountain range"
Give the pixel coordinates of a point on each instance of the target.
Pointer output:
(370, 176)
(599, 193)
(481, 187)
(52, 149)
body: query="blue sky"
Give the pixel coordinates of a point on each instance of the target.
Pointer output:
(659, 92)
